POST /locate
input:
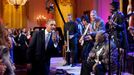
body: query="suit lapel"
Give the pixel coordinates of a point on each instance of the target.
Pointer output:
(43, 38)
(50, 42)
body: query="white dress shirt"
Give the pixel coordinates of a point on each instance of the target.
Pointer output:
(47, 38)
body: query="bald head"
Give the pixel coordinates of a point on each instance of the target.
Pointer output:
(93, 15)
(100, 36)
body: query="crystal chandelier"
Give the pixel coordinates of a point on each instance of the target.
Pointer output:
(17, 3)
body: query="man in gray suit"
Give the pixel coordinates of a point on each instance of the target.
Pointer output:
(97, 23)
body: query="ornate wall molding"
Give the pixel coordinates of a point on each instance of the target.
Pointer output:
(65, 2)
(13, 18)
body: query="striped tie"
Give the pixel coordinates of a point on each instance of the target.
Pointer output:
(47, 37)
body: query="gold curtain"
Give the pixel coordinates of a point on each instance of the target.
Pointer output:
(121, 5)
(12, 17)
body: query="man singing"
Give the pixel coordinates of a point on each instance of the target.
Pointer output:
(41, 48)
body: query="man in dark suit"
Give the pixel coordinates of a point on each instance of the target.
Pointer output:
(117, 26)
(118, 31)
(41, 48)
(22, 42)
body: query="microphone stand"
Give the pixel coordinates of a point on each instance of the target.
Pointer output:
(118, 47)
(109, 31)
(109, 54)
(109, 39)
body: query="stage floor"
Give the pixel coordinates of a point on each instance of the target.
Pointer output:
(58, 62)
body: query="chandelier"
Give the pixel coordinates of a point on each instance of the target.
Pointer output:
(17, 3)
(41, 19)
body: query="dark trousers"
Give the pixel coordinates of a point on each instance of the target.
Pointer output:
(86, 68)
(74, 50)
(87, 46)
(42, 68)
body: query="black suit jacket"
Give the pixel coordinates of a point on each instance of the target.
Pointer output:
(36, 51)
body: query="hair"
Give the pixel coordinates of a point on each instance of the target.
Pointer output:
(103, 33)
(49, 20)
(93, 11)
(69, 15)
(115, 4)
(132, 6)
(85, 18)
(4, 39)
(78, 20)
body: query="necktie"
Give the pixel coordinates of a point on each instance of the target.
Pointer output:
(47, 37)
(93, 25)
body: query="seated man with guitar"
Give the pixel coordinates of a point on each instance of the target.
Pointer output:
(90, 29)
(97, 61)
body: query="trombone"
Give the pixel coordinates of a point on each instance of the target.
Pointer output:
(68, 50)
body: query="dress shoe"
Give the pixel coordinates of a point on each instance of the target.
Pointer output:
(66, 64)
(73, 65)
